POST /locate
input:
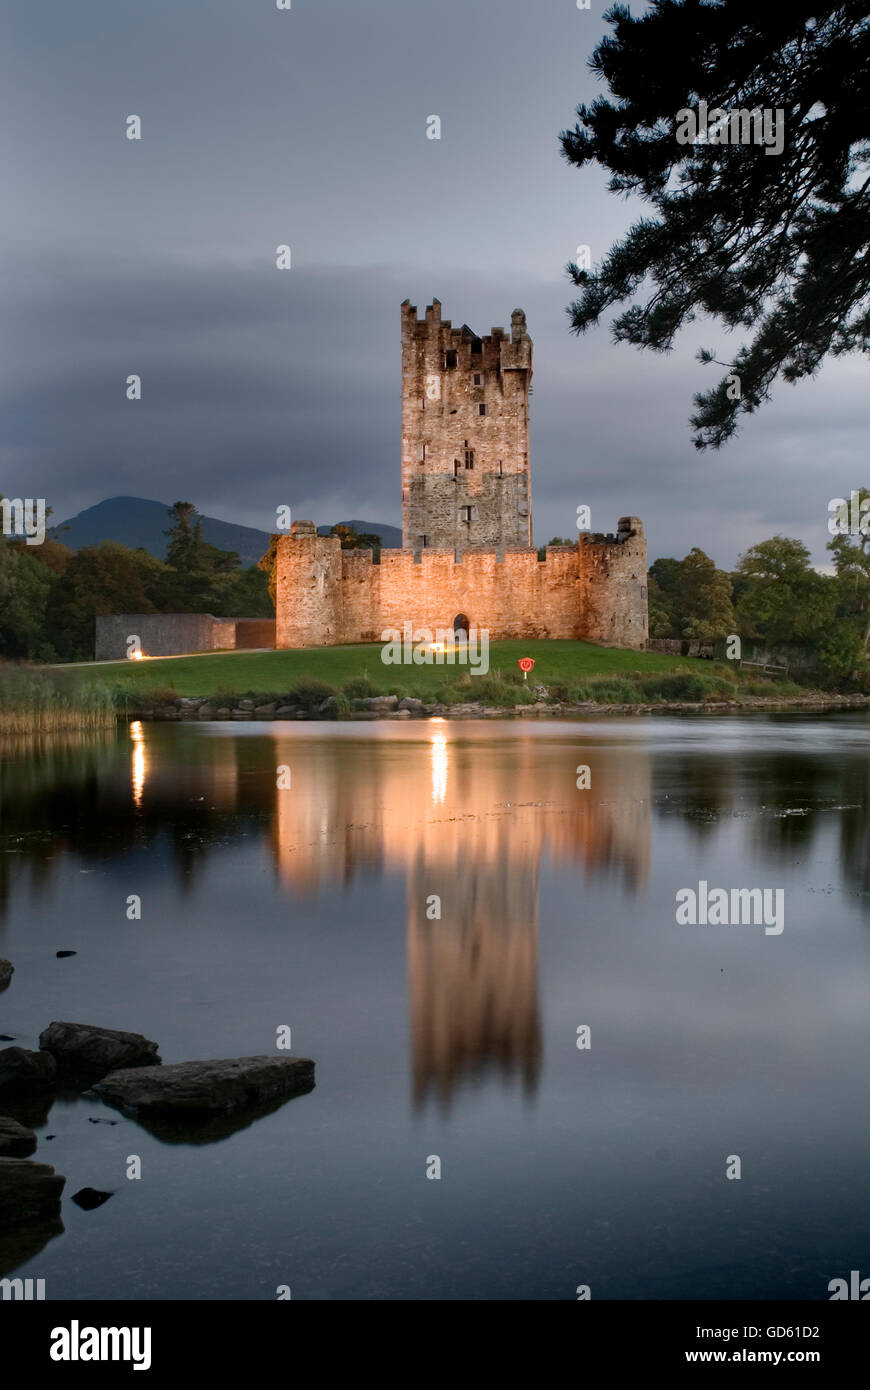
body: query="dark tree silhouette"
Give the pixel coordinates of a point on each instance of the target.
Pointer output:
(775, 244)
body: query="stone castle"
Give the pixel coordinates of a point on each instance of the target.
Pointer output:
(467, 558)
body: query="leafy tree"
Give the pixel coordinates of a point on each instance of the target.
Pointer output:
(776, 244)
(785, 601)
(690, 598)
(852, 563)
(661, 620)
(50, 553)
(244, 595)
(24, 589)
(196, 568)
(98, 579)
(186, 546)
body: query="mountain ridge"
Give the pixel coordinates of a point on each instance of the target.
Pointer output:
(141, 522)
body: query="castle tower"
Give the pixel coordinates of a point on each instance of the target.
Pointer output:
(465, 434)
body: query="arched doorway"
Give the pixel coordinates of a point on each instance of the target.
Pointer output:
(460, 627)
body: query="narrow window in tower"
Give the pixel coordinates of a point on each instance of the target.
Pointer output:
(478, 378)
(481, 410)
(469, 458)
(456, 467)
(464, 513)
(450, 357)
(421, 453)
(424, 541)
(476, 346)
(500, 469)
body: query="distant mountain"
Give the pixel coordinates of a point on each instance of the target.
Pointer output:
(138, 522)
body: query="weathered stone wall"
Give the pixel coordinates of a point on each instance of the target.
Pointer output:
(453, 458)
(308, 577)
(162, 634)
(595, 590)
(613, 582)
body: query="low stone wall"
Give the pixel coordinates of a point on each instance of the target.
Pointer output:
(174, 634)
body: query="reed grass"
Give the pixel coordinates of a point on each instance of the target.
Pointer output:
(34, 702)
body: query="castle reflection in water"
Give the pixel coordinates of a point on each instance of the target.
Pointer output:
(468, 829)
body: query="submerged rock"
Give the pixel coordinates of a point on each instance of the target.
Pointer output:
(204, 1088)
(83, 1050)
(28, 1191)
(16, 1141)
(89, 1198)
(7, 970)
(23, 1072)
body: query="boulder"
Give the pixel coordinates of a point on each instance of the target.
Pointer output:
(410, 703)
(244, 704)
(28, 1191)
(204, 1088)
(23, 1072)
(16, 1141)
(263, 711)
(380, 702)
(205, 712)
(7, 970)
(89, 1198)
(81, 1049)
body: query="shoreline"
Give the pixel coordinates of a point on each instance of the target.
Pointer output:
(199, 709)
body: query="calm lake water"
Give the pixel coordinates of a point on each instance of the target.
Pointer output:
(311, 906)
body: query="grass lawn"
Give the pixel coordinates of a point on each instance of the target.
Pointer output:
(273, 673)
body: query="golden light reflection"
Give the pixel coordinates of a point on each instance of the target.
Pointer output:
(137, 773)
(439, 759)
(137, 656)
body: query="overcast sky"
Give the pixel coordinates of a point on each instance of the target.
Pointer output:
(264, 387)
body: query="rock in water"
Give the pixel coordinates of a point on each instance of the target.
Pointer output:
(205, 1088)
(89, 1198)
(23, 1072)
(7, 970)
(82, 1050)
(28, 1191)
(16, 1141)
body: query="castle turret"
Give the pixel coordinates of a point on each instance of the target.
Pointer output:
(613, 586)
(308, 587)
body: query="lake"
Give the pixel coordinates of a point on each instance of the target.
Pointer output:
(484, 960)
